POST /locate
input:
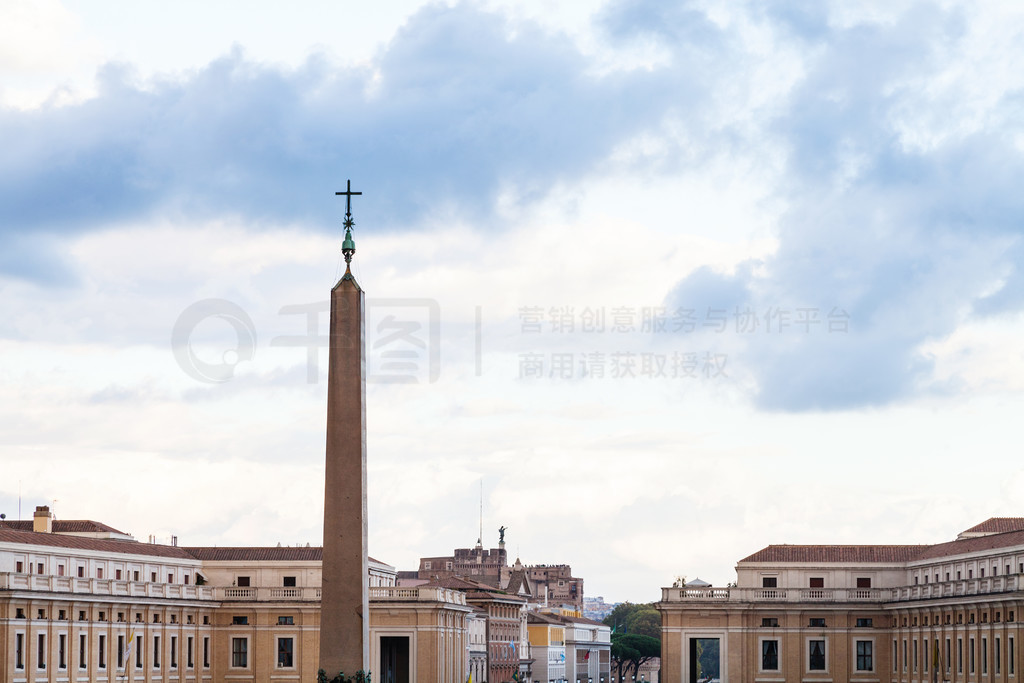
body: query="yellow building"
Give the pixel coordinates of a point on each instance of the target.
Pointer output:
(900, 613)
(97, 606)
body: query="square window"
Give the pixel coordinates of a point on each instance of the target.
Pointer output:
(864, 623)
(817, 622)
(239, 652)
(769, 582)
(285, 621)
(769, 621)
(864, 582)
(285, 652)
(242, 581)
(289, 582)
(239, 621)
(865, 655)
(817, 582)
(816, 655)
(769, 655)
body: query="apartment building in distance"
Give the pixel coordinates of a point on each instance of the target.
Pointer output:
(899, 613)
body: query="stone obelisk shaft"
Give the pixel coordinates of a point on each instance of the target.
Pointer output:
(344, 606)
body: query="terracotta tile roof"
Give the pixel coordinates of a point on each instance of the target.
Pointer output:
(581, 620)
(971, 545)
(836, 553)
(541, 618)
(997, 525)
(256, 554)
(473, 588)
(262, 554)
(64, 526)
(95, 544)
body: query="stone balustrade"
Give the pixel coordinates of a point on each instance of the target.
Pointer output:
(994, 584)
(417, 594)
(115, 588)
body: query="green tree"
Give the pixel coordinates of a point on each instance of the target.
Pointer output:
(628, 617)
(630, 651)
(645, 621)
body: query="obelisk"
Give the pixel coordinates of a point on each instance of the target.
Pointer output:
(344, 602)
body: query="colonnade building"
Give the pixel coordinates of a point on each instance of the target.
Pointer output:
(81, 601)
(898, 613)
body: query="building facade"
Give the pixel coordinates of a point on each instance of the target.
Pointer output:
(96, 608)
(900, 613)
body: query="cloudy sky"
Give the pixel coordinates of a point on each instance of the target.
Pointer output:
(666, 282)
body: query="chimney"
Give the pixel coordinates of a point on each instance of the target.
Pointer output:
(42, 520)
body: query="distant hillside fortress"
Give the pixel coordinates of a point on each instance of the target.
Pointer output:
(899, 613)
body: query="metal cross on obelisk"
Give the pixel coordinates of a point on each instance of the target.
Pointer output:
(344, 603)
(348, 247)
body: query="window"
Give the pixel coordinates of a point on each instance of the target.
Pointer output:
(206, 619)
(949, 663)
(81, 572)
(41, 651)
(864, 655)
(156, 618)
(905, 659)
(895, 659)
(156, 652)
(769, 582)
(970, 573)
(19, 566)
(970, 656)
(864, 623)
(135, 575)
(174, 652)
(120, 652)
(285, 647)
(289, 582)
(239, 652)
(102, 652)
(60, 570)
(81, 650)
(19, 650)
(99, 572)
(817, 623)
(152, 577)
(206, 652)
(959, 655)
(239, 621)
(19, 613)
(817, 582)
(138, 617)
(186, 579)
(39, 568)
(816, 652)
(138, 655)
(864, 582)
(769, 621)
(62, 646)
(1011, 656)
(984, 655)
(983, 572)
(285, 621)
(174, 618)
(915, 655)
(769, 655)
(999, 655)
(117, 574)
(243, 581)
(62, 615)
(189, 660)
(41, 613)
(103, 616)
(170, 578)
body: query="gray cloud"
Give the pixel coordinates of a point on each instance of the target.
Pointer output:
(456, 109)
(908, 241)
